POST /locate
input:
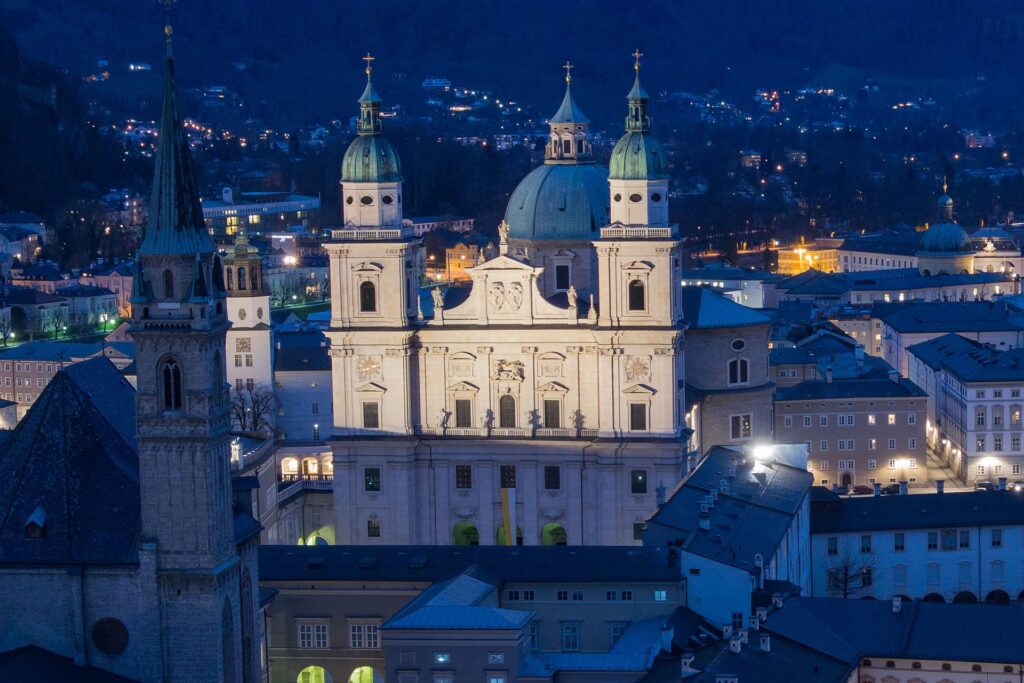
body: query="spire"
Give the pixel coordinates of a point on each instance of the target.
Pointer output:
(946, 204)
(176, 224)
(637, 121)
(568, 112)
(369, 103)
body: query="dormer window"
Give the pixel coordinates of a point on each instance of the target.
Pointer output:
(35, 526)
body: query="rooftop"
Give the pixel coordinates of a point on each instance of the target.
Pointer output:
(850, 387)
(705, 309)
(943, 317)
(919, 511)
(970, 361)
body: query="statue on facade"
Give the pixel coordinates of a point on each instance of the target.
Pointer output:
(503, 230)
(573, 297)
(438, 298)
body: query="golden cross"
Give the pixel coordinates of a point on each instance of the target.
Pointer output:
(568, 69)
(636, 59)
(944, 185)
(167, 13)
(369, 63)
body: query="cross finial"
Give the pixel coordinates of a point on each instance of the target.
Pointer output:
(944, 185)
(369, 64)
(636, 59)
(568, 71)
(168, 30)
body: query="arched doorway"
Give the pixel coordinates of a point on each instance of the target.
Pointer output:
(998, 597)
(846, 479)
(553, 534)
(465, 533)
(365, 674)
(965, 598)
(314, 674)
(500, 535)
(904, 598)
(933, 597)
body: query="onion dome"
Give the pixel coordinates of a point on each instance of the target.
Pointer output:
(946, 238)
(370, 158)
(638, 155)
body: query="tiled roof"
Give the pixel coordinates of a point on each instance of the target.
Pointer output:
(301, 352)
(704, 309)
(918, 511)
(966, 316)
(970, 361)
(25, 296)
(846, 387)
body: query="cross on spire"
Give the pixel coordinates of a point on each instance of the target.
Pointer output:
(369, 63)
(568, 71)
(945, 186)
(168, 29)
(636, 59)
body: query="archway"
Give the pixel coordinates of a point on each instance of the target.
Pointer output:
(500, 535)
(314, 674)
(933, 597)
(553, 534)
(365, 674)
(1020, 596)
(904, 598)
(289, 467)
(846, 479)
(998, 597)
(965, 598)
(316, 538)
(310, 466)
(465, 533)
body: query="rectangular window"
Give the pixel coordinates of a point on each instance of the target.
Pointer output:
(997, 538)
(865, 543)
(248, 360)
(508, 476)
(570, 637)
(823, 420)
(787, 421)
(965, 538)
(638, 531)
(371, 479)
(833, 545)
(892, 444)
(823, 446)
(552, 413)
(740, 426)
(561, 277)
(562, 596)
(615, 631)
(315, 409)
(638, 481)
(911, 443)
(552, 477)
(313, 636)
(463, 476)
(442, 658)
(371, 415)
(892, 418)
(949, 539)
(577, 596)
(933, 540)
(373, 528)
(871, 419)
(660, 596)
(899, 543)
(512, 595)
(528, 595)
(638, 417)
(997, 442)
(807, 420)
(463, 413)
(911, 418)
(872, 444)
(357, 636)
(872, 464)
(823, 465)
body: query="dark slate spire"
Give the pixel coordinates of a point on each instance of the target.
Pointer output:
(176, 223)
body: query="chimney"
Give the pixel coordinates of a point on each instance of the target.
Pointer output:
(897, 604)
(777, 599)
(744, 638)
(894, 375)
(762, 614)
(940, 485)
(667, 633)
(735, 646)
(878, 488)
(1002, 483)
(673, 557)
(704, 521)
(766, 642)
(903, 488)
(686, 664)
(726, 631)
(755, 623)
(828, 375)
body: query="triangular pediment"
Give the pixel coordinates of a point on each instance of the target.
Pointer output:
(464, 386)
(503, 262)
(371, 387)
(553, 387)
(640, 389)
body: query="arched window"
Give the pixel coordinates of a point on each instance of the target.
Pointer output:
(738, 373)
(367, 297)
(241, 278)
(637, 296)
(507, 412)
(170, 380)
(230, 278)
(168, 284)
(246, 597)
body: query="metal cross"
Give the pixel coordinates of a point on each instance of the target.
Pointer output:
(369, 63)
(568, 69)
(636, 59)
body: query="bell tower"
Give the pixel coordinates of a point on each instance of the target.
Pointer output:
(179, 324)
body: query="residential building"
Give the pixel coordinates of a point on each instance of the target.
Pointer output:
(859, 430)
(937, 547)
(34, 312)
(117, 278)
(302, 382)
(19, 243)
(822, 256)
(89, 305)
(42, 277)
(747, 287)
(811, 356)
(739, 521)
(421, 226)
(257, 212)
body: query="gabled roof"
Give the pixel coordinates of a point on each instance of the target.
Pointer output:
(919, 511)
(850, 387)
(705, 309)
(74, 455)
(960, 316)
(970, 361)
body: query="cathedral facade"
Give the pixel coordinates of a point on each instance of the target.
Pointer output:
(548, 394)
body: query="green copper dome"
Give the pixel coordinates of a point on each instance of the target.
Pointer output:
(371, 159)
(638, 156)
(946, 238)
(559, 202)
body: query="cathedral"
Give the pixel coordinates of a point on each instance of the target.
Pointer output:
(126, 553)
(548, 395)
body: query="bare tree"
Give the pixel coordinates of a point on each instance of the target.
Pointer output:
(851, 571)
(58, 321)
(6, 327)
(252, 408)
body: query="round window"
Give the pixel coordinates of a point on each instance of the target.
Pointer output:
(241, 314)
(366, 200)
(348, 199)
(656, 197)
(738, 345)
(387, 199)
(618, 197)
(110, 636)
(259, 313)
(635, 198)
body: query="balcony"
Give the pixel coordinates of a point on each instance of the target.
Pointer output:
(638, 232)
(288, 485)
(378, 234)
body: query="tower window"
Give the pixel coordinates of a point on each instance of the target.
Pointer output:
(366, 200)
(387, 199)
(463, 413)
(367, 297)
(230, 275)
(567, 146)
(241, 278)
(562, 277)
(170, 378)
(636, 198)
(552, 413)
(371, 415)
(168, 284)
(507, 412)
(637, 296)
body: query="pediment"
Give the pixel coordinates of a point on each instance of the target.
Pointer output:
(553, 387)
(637, 265)
(371, 387)
(464, 386)
(367, 267)
(503, 262)
(640, 389)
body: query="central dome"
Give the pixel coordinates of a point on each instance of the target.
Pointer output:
(371, 159)
(946, 238)
(559, 202)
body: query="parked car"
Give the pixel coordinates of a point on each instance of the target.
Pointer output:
(841, 490)
(891, 490)
(1018, 486)
(985, 486)
(862, 490)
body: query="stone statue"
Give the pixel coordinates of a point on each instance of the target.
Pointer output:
(503, 229)
(573, 297)
(438, 298)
